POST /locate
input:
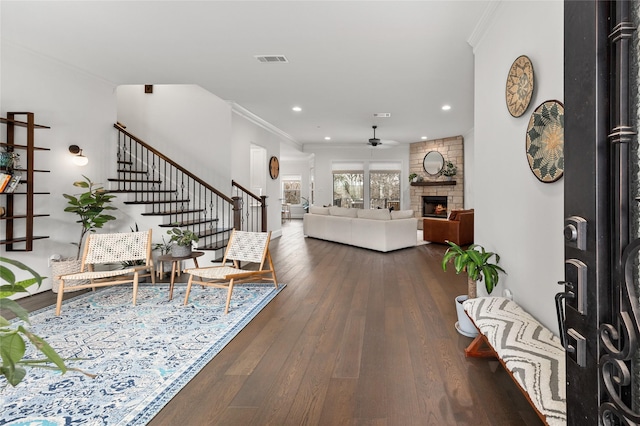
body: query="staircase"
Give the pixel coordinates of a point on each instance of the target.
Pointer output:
(182, 199)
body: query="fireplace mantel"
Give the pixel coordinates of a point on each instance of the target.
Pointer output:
(437, 183)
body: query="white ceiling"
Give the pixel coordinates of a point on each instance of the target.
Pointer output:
(347, 59)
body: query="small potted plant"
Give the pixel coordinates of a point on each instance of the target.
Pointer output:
(183, 239)
(449, 170)
(413, 177)
(477, 263)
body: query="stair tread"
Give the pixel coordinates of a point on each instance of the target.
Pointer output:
(133, 171)
(157, 202)
(188, 223)
(134, 180)
(212, 232)
(172, 212)
(141, 191)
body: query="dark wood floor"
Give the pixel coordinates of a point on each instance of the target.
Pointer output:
(357, 338)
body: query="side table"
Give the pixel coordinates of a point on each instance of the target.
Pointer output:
(174, 264)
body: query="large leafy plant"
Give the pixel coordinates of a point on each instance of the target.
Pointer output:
(182, 237)
(476, 262)
(13, 337)
(90, 207)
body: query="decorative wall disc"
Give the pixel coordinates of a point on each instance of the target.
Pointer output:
(519, 86)
(545, 141)
(274, 167)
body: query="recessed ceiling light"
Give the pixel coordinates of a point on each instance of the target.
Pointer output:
(296, 109)
(446, 107)
(327, 138)
(424, 138)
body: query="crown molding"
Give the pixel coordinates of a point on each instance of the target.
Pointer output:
(56, 61)
(258, 121)
(484, 23)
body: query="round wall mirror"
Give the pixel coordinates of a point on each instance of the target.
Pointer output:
(433, 163)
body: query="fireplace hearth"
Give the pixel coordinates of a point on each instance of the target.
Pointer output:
(434, 206)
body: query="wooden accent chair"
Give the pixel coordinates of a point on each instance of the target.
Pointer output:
(243, 247)
(99, 249)
(458, 228)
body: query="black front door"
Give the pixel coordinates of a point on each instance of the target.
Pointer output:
(601, 308)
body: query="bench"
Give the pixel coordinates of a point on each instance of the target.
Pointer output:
(531, 354)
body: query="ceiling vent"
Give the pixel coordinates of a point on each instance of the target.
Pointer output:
(272, 59)
(382, 114)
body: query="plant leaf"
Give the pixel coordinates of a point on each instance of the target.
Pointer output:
(18, 310)
(45, 348)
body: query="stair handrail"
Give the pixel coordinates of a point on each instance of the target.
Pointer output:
(243, 189)
(262, 199)
(176, 165)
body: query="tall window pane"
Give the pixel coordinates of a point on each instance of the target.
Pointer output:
(291, 189)
(384, 189)
(348, 190)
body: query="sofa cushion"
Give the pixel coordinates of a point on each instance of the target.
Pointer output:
(401, 214)
(318, 210)
(343, 211)
(377, 214)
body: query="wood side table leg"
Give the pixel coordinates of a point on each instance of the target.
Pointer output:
(173, 278)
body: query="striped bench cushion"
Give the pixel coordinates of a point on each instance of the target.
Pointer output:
(530, 351)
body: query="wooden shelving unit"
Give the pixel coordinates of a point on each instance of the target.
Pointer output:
(19, 205)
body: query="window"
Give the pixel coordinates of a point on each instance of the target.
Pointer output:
(348, 184)
(384, 189)
(291, 189)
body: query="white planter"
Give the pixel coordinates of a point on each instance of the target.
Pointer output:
(464, 324)
(63, 267)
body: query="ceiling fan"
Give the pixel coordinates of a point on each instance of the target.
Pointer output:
(376, 142)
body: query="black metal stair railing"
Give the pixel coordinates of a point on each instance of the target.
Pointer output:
(253, 216)
(172, 192)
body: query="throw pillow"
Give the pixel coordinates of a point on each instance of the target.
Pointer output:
(343, 211)
(377, 214)
(401, 214)
(319, 210)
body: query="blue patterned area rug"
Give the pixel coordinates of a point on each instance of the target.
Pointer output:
(142, 355)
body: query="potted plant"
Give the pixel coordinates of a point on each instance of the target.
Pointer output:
(477, 263)
(183, 239)
(12, 336)
(449, 170)
(90, 206)
(413, 177)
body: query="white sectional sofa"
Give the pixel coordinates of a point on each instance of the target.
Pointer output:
(375, 229)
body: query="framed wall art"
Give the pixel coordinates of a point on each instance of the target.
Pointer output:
(520, 85)
(545, 141)
(274, 167)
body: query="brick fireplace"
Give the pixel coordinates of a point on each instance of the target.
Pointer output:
(452, 149)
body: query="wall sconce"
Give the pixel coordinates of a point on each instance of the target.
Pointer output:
(78, 158)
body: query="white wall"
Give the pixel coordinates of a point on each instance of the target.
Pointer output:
(81, 110)
(469, 169)
(517, 215)
(325, 156)
(245, 133)
(185, 122)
